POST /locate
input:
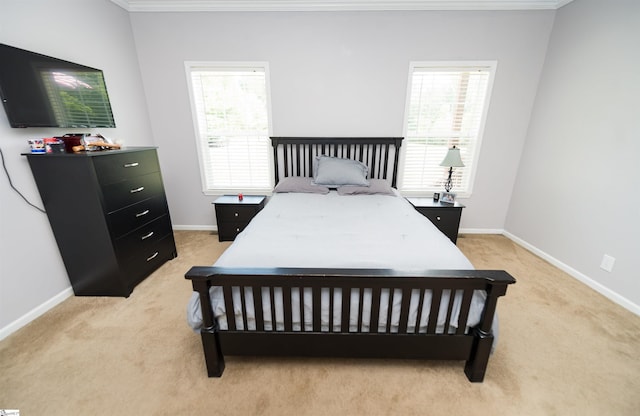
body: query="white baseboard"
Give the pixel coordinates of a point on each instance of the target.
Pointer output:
(481, 231)
(195, 227)
(35, 312)
(598, 287)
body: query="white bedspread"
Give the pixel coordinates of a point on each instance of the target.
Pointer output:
(334, 231)
(351, 231)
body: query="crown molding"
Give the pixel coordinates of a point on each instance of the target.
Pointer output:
(562, 3)
(332, 5)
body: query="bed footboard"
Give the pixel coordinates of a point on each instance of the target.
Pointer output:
(349, 313)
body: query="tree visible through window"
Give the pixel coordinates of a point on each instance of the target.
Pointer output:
(231, 111)
(446, 106)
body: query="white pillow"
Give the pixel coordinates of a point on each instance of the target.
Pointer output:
(334, 171)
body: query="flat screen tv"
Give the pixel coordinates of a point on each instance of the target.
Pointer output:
(41, 91)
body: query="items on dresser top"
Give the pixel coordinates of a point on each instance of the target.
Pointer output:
(109, 215)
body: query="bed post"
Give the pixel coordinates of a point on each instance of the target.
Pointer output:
(396, 158)
(276, 166)
(209, 333)
(476, 365)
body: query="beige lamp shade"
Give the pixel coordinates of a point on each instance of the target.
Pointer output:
(453, 159)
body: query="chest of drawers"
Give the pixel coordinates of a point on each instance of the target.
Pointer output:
(109, 215)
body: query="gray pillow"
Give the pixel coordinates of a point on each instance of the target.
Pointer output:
(376, 187)
(299, 184)
(333, 171)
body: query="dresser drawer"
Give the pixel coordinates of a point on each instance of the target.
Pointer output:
(140, 265)
(439, 214)
(447, 220)
(116, 167)
(141, 239)
(124, 193)
(236, 213)
(126, 219)
(228, 231)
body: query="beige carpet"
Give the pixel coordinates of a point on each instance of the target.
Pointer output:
(563, 350)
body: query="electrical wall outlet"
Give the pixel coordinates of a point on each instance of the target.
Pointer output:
(607, 263)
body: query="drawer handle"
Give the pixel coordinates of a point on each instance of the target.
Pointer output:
(131, 165)
(237, 230)
(154, 256)
(235, 214)
(144, 237)
(133, 191)
(142, 214)
(438, 218)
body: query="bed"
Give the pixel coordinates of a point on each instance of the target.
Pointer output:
(377, 280)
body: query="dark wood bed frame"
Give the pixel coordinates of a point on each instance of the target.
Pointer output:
(294, 157)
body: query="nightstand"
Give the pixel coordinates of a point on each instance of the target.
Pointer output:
(233, 215)
(444, 216)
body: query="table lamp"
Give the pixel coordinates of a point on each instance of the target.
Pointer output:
(452, 160)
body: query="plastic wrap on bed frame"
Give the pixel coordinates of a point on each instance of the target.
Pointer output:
(472, 345)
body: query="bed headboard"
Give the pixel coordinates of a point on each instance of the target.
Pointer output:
(293, 156)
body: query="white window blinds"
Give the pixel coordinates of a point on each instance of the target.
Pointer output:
(446, 106)
(231, 105)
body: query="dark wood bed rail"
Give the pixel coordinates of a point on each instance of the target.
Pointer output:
(294, 156)
(472, 346)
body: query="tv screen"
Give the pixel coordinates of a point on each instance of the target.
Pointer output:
(41, 91)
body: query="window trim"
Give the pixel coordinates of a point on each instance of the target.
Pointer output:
(491, 66)
(230, 65)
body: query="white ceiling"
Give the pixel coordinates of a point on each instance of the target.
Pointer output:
(333, 5)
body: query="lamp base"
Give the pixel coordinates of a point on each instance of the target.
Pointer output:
(449, 183)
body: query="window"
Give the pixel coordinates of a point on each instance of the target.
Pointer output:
(231, 110)
(446, 106)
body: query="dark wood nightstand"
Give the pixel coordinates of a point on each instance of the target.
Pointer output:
(233, 215)
(444, 216)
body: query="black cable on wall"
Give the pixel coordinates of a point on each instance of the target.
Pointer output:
(4, 166)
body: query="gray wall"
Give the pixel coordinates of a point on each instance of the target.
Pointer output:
(96, 33)
(342, 74)
(576, 196)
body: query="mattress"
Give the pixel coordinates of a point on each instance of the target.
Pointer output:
(339, 231)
